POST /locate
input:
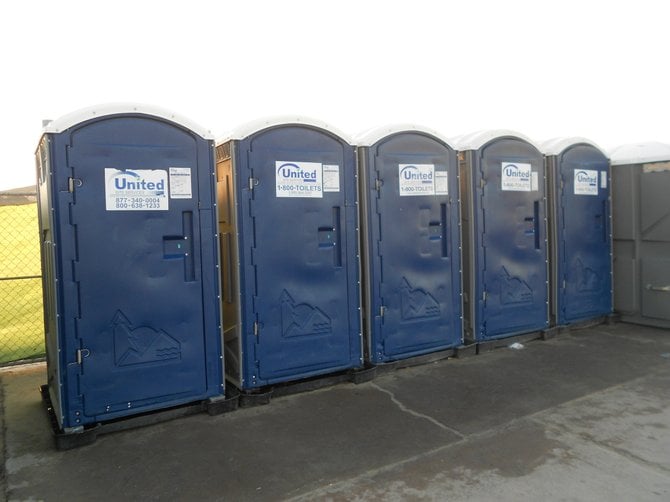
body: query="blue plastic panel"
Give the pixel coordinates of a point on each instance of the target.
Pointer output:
(136, 272)
(510, 290)
(296, 196)
(413, 257)
(583, 235)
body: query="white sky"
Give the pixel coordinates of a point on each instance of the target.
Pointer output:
(543, 68)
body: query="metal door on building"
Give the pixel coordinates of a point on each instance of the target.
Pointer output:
(138, 287)
(512, 257)
(301, 207)
(414, 253)
(584, 236)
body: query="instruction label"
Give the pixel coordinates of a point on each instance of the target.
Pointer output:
(416, 179)
(136, 189)
(441, 183)
(534, 181)
(299, 179)
(331, 178)
(586, 182)
(180, 183)
(516, 177)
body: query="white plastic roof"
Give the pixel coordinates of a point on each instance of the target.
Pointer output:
(245, 130)
(640, 153)
(76, 117)
(476, 140)
(555, 146)
(372, 136)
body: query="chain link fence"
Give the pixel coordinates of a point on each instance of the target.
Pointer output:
(21, 318)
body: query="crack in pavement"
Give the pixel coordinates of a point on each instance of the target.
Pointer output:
(405, 409)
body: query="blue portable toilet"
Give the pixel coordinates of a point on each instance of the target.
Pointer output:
(641, 217)
(129, 256)
(580, 230)
(410, 226)
(288, 228)
(503, 209)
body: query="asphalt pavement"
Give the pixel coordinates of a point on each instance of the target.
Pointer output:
(583, 416)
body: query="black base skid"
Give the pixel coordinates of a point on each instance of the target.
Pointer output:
(85, 435)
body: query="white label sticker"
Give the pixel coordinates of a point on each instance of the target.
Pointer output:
(515, 177)
(180, 183)
(136, 189)
(331, 178)
(603, 179)
(441, 183)
(298, 179)
(586, 182)
(534, 181)
(416, 179)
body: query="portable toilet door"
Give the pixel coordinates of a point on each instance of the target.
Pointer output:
(129, 249)
(288, 224)
(411, 243)
(579, 230)
(641, 216)
(504, 235)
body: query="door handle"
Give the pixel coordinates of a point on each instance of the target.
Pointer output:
(330, 238)
(535, 224)
(182, 246)
(662, 289)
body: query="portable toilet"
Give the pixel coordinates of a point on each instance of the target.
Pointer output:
(129, 258)
(410, 230)
(580, 231)
(640, 187)
(504, 235)
(288, 228)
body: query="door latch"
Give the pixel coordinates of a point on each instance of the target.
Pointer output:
(81, 354)
(73, 183)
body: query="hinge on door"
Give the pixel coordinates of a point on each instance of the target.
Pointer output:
(483, 296)
(252, 183)
(378, 184)
(482, 182)
(382, 310)
(255, 328)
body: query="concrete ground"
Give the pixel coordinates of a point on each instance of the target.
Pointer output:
(584, 416)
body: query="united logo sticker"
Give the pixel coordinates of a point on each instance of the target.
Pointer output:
(516, 177)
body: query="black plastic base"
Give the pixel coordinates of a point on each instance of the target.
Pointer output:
(255, 398)
(363, 375)
(550, 333)
(85, 435)
(464, 351)
(588, 323)
(219, 405)
(409, 362)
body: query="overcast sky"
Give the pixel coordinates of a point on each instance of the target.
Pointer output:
(543, 68)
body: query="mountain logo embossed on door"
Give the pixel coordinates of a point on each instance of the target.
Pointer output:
(302, 319)
(142, 344)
